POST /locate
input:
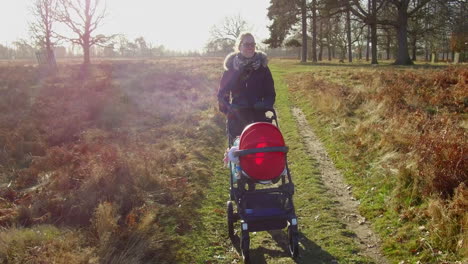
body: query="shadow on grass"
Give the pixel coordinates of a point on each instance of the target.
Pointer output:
(309, 252)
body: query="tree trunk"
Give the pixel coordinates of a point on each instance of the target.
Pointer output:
(320, 40)
(86, 54)
(328, 41)
(456, 58)
(85, 40)
(414, 48)
(304, 31)
(314, 30)
(426, 53)
(368, 32)
(373, 26)
(360, 51)
(348, 25)
(86, 49)
(51, 62)
(434, 57)
(402, 36)
(374, 43)
(389, 40)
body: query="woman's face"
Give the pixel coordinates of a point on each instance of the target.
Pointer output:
(247, 46)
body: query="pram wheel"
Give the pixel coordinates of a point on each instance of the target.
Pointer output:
(245, 245)
(293, 237)
(230, 218)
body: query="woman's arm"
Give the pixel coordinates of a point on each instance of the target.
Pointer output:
(269, 86)
(225, 87)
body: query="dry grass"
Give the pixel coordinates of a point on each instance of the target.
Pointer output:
(410, 126)
(118, 153)
(43, 244)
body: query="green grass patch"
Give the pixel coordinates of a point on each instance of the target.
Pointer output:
(390, 199)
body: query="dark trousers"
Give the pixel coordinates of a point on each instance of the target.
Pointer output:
(239, 119)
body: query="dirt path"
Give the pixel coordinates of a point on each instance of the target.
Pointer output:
(333, 180)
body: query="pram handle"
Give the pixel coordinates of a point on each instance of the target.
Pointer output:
(239, 153)
(245, 107)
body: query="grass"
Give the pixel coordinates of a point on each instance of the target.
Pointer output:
(311, 198)
(43, 243)
(119, 156)
(209, 243)
(349, 124)
(332, 243)
(126, 167)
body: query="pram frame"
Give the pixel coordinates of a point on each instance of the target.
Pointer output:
(239, 195)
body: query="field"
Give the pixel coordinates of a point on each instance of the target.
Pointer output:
(124, 165)
(106, 168)
(399, 135)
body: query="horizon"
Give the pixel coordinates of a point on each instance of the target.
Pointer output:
(155, 21)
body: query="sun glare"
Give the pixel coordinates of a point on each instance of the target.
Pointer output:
(178, 25)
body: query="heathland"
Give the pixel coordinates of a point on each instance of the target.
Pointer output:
(123, 164)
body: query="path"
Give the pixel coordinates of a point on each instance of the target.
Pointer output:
(333, 180)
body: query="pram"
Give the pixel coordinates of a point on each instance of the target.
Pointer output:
(261, 187)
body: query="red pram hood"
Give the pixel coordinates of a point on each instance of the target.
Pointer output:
(262, 166)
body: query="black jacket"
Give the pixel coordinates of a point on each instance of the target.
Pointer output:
(246, 87)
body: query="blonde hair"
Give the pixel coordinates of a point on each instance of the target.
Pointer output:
(240, 38)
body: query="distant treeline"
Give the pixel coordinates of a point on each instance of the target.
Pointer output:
(140, 49)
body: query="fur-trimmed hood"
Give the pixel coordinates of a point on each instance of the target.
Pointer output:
(229, 60)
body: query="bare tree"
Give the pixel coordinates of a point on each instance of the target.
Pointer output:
(370, 18)
(143, 49)
(224, 35)
(404, 10)
(23, 49)
(230, 28)
(83, 17)
(42, 27)
(314, 9)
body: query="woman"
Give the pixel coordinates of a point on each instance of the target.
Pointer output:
(246, 89)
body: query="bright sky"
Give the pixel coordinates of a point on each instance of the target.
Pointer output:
(176, 24)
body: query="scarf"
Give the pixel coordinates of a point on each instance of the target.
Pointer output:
(248, 64)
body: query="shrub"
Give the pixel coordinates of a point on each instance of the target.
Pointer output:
(416, 118)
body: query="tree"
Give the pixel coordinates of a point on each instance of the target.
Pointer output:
(343, 9)
(24, 49)
(285, 15)
(109, 50)
(348, 35)
(388, 36)
(402, 11)
(320, 37)
(458, 43)
(83, 17)
(370, 18)
(294, 43)
(223, 36)
(459, 26)
(123, 42)
(314, 30)
(303, 4)
(42, 27)
(143, 49)
(368, 37)
(5, 52)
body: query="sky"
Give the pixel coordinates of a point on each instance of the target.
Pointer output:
(177, 24)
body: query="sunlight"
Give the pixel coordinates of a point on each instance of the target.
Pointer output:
(181, 25)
